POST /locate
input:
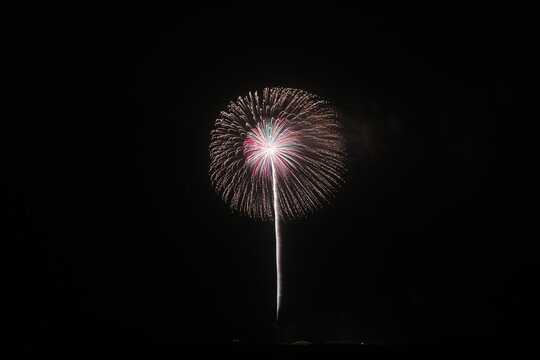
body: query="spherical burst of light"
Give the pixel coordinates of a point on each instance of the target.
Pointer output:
(287, 131)
(272, 142)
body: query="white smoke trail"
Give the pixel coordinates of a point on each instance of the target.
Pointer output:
(278, 241)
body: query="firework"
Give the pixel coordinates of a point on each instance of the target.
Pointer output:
(278, 154)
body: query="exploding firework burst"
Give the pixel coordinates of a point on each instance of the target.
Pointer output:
(280, 153)
(273, 142)
(292, 130)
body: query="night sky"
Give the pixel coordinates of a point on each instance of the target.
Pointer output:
(119, 240)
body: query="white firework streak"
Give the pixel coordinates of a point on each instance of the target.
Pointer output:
(278, 241)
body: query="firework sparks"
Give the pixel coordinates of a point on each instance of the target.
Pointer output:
(277, 154)
(272, 142)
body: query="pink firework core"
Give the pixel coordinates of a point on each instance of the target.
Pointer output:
(275, 143)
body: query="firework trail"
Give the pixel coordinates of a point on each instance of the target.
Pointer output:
(278, 154)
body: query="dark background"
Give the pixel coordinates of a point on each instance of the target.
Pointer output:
(118, 239)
